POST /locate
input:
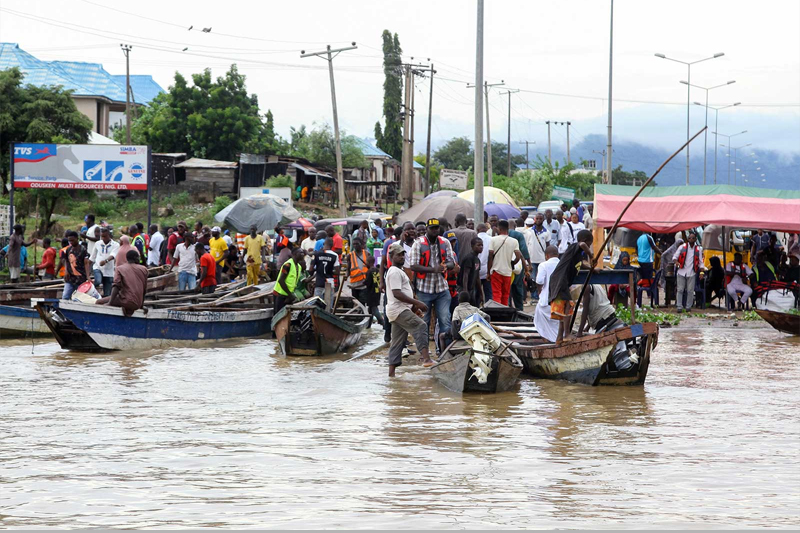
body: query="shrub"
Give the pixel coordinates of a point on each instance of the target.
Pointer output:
(280, 181)
(221, 202)
(178, 199)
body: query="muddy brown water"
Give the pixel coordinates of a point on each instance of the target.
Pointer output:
(234, 436)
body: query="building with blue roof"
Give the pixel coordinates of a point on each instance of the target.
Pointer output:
(97, 94)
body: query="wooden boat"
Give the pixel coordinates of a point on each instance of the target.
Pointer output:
(783, 322)
(306, 328)
(588, 359)
(21, 319)
(454, 372)
(88, 327)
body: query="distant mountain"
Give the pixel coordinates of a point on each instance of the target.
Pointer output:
(780, 171)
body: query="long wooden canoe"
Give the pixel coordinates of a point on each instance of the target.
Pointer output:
(306, 328)
(783, 322)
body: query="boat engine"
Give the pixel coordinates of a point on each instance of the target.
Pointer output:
(484, 341)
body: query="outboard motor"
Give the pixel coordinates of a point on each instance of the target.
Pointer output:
(484, 340)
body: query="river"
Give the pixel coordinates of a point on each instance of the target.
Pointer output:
(234, 436)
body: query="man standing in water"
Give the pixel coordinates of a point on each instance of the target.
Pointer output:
(402, 311)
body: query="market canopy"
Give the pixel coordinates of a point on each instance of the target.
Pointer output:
(671, 209)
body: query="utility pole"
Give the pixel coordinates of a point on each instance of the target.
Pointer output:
(508, 155)
(478, 151)
(428, 148)
(407, 164)
(549, 158)
(610, 79)
(568, 158)
(489, 171)
(527, 160)
(126, 49)
(339, 175)
(603, 153)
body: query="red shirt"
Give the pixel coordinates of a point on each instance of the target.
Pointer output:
(207, 260)
(338, 243)
(172, 244)
(48, 262)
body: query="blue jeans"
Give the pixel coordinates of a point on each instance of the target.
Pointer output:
(441, 301)
(534, 271)
(487, 289)
(69, 288)
(103, 281)
(186, 280)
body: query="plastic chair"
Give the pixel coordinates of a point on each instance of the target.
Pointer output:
(651, 291)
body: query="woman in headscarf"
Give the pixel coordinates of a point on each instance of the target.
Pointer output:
(624, 262)
(124, 246)
(714, 279)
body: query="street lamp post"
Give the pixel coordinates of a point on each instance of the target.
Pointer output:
(729, 137)
(688, 96)
(716, 128)
(705, 142)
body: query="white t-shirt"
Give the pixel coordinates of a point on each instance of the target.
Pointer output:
(187, 258)
(154, 255)
(688, 265)
(569, 234)
(91, 233)
(536, 249)
(397, 279)
(503, 247)
(737, 279)
(228, 240)
(101, 252)
(407, 261)
(308, 246)
(484, 256)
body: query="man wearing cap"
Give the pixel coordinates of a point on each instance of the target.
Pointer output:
(431, 256)
(218, 249)
(403, 310)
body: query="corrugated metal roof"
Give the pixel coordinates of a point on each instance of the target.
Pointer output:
(368, 148)
(84, 79)
(308, 169)
(196, 162)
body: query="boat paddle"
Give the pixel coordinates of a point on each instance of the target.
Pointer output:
(614, 227)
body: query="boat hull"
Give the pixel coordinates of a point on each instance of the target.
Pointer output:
(329, 334)
(21, 322)
(783, 322)
(455, 374)
(104, 328)
(588, 359)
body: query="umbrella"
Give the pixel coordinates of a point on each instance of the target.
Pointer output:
(491, 195)
(301, 223)
(503, 211)
(446, 208)
(443, 194)
(265, 211)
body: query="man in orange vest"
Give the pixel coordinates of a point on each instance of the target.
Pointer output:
(357, 265)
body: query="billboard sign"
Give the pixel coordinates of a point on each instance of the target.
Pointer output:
(80, 166)
(565, 194)
(453, 179)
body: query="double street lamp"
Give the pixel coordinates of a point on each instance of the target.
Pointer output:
(705, 142)
(688, 96)
(735, 149)
(729, 137)
(716, 127)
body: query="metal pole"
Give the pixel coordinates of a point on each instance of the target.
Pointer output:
(716, 140)
(568, 158)
(149, 186)
(339, 173)
(428, 148)
(406, 164)
(610, 79)
(549, 158)
(478, 151)
(527, 160)
(508, 155)
(688, 103)
(11, 191)
(411, 185)
(126, 49)
(729, 160)
(705, 143)
(489, 171)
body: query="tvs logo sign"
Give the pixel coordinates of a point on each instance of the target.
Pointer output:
(33, 153)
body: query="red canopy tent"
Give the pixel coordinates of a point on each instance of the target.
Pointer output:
(672, 209)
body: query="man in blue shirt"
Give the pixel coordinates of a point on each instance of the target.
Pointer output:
(644, 250)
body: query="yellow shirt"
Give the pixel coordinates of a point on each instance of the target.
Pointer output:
(253, 247)
(218, 248)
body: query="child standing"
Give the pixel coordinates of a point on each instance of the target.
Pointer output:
(373, 290)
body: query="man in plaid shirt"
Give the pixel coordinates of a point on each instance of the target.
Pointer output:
(431, 256)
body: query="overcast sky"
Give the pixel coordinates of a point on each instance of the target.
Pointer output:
(539, 46)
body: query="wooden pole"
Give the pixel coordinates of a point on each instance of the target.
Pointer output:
(600, 250)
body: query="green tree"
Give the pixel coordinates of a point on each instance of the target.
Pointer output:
(563, 176)
(390, 140)
(456, 154)
(500, 159)
(435, 168)
(623, 177)
(40, 115)
(319, 146)
(214, 119)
